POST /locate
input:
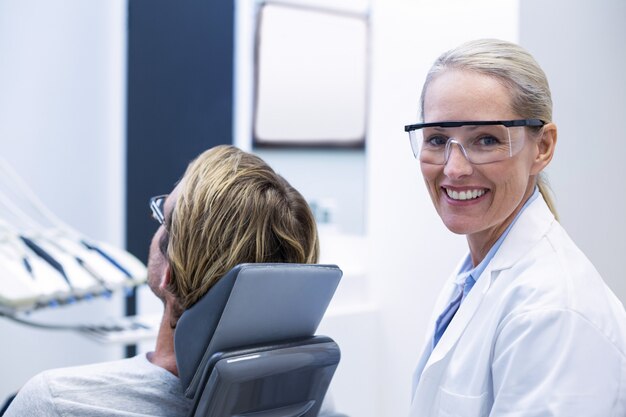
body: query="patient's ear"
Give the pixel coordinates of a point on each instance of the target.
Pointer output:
(167, 278)
(545, 147)
(173, 307)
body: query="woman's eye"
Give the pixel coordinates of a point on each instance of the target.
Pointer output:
(488, 141)
(436, 141)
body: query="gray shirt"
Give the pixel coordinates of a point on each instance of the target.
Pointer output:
(129, 387)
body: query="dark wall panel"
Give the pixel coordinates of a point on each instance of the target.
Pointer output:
(180, 95)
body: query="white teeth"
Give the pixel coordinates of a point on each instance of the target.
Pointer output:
(465, 195)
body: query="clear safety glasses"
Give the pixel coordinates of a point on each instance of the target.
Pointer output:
(481, 142)
(157, 205)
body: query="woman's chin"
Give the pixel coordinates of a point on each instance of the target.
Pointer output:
(459, 226)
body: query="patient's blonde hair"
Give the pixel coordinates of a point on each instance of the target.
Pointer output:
(233, 208)
(517, 70)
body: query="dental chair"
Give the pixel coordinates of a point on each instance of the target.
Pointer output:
(247, 348)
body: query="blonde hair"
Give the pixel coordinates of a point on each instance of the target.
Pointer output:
(233, 208)
(517, 70)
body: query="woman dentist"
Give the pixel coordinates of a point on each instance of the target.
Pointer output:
(525, 326)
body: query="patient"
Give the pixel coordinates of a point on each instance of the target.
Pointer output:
(229, 208)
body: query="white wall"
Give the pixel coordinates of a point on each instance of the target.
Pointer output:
(580, 46)
(62, 123)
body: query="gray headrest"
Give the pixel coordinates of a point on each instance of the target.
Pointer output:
(252, 304)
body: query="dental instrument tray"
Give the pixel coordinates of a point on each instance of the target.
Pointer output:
(44, 262)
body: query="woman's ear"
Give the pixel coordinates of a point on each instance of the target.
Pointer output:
(545, 147)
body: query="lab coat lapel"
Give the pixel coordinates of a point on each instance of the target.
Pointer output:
(462, 317)
(445, 296)
(428, 385)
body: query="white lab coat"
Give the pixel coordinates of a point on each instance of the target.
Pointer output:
(539, 335)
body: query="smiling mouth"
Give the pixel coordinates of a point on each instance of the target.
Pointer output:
(465, 195)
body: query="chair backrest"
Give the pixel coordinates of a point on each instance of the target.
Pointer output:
(254, 323)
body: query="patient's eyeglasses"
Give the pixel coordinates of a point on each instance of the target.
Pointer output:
(157, 205)
(481, 142)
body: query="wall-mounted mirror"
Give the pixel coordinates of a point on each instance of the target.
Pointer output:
(311, 72)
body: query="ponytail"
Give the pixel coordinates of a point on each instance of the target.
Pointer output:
(546, 192)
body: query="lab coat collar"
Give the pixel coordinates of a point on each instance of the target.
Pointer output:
(529, 228)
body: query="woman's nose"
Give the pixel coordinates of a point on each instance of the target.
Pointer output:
(457, 164)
